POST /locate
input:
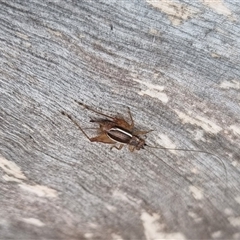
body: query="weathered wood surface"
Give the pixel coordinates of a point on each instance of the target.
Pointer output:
(175, 64)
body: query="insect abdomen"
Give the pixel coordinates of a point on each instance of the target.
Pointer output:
(119, 135)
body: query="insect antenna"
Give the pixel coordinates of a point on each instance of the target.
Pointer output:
(169, 166)
(195, 150)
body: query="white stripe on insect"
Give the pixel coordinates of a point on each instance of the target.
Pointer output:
(121, 130)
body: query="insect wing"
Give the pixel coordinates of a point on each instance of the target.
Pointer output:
(119, 135)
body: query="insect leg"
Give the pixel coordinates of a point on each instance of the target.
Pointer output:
(123, 123)
(131, 148)
(103, 137)
(131, 118)
(75, 122)
(118, 148)
(93, 110)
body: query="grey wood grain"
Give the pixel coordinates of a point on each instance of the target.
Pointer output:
(175, 64)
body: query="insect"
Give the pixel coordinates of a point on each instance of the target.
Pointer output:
(118, 132)
(114, 130)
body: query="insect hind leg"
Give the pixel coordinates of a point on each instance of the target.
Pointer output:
(76, 123)
(102, 138)
(93, 110)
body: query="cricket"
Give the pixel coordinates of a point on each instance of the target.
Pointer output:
(118, 132)
(114, 130)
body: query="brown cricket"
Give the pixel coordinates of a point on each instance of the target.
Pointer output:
(114, 130)
(118, 132)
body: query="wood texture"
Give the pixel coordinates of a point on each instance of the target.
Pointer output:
(175, 64)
